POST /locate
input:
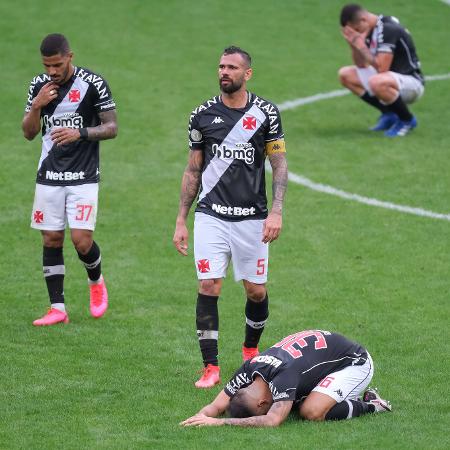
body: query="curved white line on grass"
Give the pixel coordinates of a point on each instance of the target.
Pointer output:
(299, 179)
(292, 104)
(446, 2)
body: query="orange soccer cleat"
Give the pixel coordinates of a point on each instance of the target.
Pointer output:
(249, 352)
(98, 298)
(209, 378)
(53, 316)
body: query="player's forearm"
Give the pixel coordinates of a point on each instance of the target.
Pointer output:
(358, 59)
(102, 132)
(189, 190)
(210, 410)
(362, 52)
(256, 421)
(279, 181)
(31, 123)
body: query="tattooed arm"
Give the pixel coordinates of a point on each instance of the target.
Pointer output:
(273, 223)
(276, 415)
(189, 189)
(106, 130)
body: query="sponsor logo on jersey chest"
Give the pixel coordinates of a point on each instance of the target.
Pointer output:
(243, 151)
(69, 120)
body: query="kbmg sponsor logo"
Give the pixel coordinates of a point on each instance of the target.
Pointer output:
(68, 120)
(233, 210)
(243, 151)
(266, 359)
(64, 176)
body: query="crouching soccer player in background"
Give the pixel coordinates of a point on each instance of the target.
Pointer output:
(77, 111)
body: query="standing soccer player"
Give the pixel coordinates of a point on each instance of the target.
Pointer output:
(387, 73)
(77, 110)
(230, 137)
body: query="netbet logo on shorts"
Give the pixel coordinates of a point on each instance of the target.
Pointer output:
(242, 151)
(68, 120)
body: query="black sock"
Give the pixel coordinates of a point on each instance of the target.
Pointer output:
(256, 314)
(373, 101)
(399, 107)
(54, 270)
(348, 409)
(207, 320)
(92, 260)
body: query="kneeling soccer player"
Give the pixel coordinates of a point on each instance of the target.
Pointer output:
(318, 373)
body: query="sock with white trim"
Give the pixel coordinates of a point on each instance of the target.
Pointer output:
(207, 320)
(348, 409)
(92, 262)
(256, 314)
(54, 270)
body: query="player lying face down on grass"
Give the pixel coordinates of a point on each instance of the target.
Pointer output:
(318, 374)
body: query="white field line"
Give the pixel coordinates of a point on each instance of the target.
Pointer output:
(303, 181)
(446, 1)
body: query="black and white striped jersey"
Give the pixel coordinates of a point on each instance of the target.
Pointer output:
(78, 104)
(389, 36)
(235, 143)
(293, 367)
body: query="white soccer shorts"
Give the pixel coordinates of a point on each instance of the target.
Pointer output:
(55, 206)
(409, 87)
(217, 241)
(348, 383)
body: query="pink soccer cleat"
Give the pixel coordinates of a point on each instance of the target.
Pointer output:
(99, 298)
(53, 316)
(210, 377)
(249, 352)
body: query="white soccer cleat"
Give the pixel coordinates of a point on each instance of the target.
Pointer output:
(372, 397)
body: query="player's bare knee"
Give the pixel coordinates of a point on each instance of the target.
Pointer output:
(256, 293)
(312, 412)
(209, 287)
(345, 75)
(53, 238)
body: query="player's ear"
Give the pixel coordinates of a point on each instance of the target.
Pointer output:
(248, 73)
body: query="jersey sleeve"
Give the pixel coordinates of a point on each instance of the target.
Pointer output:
(241, 379)
(103, 98)
(33, 90)
(195, 135)
(275, 136)
(387, 41)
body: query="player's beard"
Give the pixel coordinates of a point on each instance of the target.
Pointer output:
(231, 87)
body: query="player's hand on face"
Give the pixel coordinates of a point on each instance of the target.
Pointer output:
(48, 93)
(200, 420)
(272, 227)
(180, 239)
(63, 136)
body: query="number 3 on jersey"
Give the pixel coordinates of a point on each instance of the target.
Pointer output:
(292, 342)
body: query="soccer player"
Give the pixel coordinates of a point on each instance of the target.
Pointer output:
(316, 373)
(230, 137)
(387, 73)
(75, 109)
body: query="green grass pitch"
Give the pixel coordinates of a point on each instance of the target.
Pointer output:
(380, 277)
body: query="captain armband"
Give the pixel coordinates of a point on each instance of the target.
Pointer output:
(274, 147)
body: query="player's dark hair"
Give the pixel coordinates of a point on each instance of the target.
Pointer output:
(54, 44)
(238, 406)
(233, 49)
(350, 13)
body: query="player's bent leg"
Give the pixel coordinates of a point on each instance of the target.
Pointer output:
(207, 321)
(256, 315)
(384, 86)
(348, 77)
(316, 406)
(89, 254)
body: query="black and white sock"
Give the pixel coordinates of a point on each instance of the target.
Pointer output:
(348, 409)
(92, 262)
(207, 320)
(54, 270)
(256, 314)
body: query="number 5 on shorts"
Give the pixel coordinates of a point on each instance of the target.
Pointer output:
(84, 212)
(261, 265)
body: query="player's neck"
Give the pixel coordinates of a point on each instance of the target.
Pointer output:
(237, 99)
(69, 74)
